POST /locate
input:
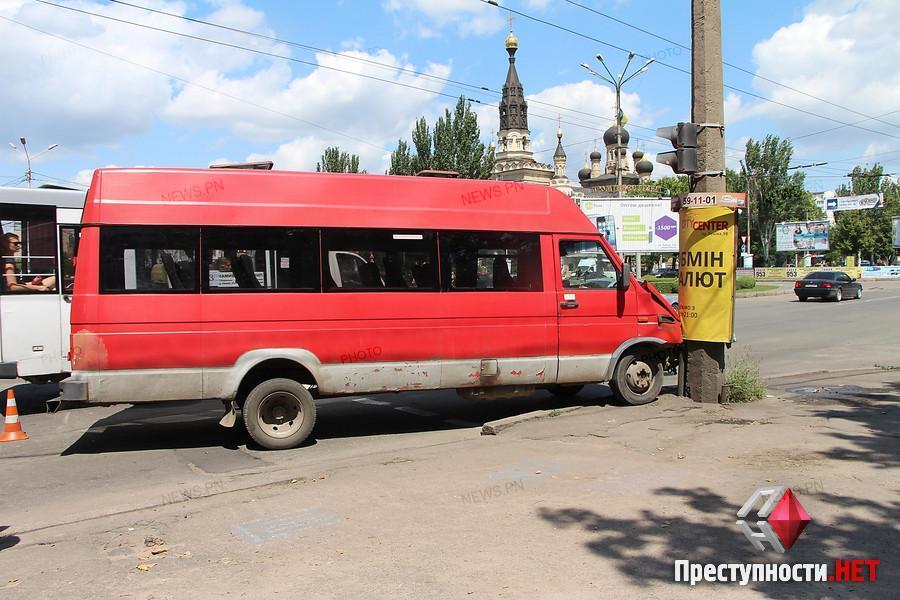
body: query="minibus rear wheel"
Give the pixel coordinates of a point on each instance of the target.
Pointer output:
(638, 377)
(279, 413)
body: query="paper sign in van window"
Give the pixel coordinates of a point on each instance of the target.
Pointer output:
(408, 236)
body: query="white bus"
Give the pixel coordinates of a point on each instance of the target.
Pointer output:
(37, 256)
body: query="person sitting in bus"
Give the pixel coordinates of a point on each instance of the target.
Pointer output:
(13, 282)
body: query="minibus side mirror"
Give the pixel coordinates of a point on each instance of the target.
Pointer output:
(625, 278)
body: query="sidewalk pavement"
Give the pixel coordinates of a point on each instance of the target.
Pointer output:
(594, 503)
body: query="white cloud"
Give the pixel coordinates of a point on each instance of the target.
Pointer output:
(80, 99)
(426, 18)
(843, 51)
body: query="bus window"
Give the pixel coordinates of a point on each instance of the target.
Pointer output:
(255, 258)
(479, 260)
(28, 249)
(68, 243)
(367, 259)
(148, 259)
(584, 265)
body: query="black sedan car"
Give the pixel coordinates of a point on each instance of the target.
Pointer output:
(833, 285)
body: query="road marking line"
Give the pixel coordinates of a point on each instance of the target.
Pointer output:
(415, 411)
(371, 402)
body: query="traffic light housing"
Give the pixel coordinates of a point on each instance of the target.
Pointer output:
(684, 139)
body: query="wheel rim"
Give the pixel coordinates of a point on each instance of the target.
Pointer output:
(639, 377)
(280, 414)
(839, 294)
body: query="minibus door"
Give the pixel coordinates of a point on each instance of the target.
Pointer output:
(595, 316)
(30, 300)
(69, 235)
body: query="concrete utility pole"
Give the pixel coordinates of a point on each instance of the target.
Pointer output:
(704, 362)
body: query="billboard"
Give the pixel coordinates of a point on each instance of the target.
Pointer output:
(801, 236)
(853, 202)
(635, 224)
(706, 274)
(895, 221)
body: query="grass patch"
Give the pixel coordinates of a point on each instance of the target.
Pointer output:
(744, 381)
(554, 413)
(761, 288)
(887, 367)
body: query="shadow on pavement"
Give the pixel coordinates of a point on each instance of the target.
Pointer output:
(875, 409)
(31, 398)
(7, 541)
(194, 424)
(164, 425)
(645, 549)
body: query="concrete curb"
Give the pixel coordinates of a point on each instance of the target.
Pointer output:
(760, 294)
(776, 379)
(495, 427)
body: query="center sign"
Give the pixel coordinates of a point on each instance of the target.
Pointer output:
(706, 273)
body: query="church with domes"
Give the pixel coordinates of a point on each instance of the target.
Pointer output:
(514, 158)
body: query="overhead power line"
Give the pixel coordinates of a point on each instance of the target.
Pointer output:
(730, 65)
(197, 85)
(679, 69)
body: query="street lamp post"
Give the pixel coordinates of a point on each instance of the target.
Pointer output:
(29, 175)
(618, 83)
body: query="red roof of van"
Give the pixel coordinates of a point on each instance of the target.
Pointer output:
(151, 196)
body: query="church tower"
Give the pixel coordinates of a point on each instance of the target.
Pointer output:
(514, 160)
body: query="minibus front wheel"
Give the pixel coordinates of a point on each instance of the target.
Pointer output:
(279, 413)
(638, 377)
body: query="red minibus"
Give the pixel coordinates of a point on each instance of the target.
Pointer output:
(268, 289)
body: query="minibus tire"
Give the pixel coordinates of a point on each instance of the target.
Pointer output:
(268, 402)
(626, 388)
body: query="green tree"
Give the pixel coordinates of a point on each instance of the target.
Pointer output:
(774, 194)
(335, 161)
(453, 145)
(673, 186)
(867, 232)
(401, 160)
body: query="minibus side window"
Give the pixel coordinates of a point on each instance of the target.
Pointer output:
(260, 258)
(584, 265)
(490, 261)
(154, 260)
(69, 236)
(378, 260)
(28, 245)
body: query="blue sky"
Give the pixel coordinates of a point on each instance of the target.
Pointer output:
(103, 111)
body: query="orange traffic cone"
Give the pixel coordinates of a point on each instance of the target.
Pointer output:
(12, 429)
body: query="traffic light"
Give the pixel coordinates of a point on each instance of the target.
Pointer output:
(684, 139)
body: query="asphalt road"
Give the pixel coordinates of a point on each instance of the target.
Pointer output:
(786, 336)
(81, 466)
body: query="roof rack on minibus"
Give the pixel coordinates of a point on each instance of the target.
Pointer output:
(265, 165)
(436, 173)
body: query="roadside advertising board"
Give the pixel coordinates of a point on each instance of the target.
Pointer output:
(799, 236)
(801, 272)
(880, 272)
(895, 221)
(706, 273)
(853, 202)
(635, 224)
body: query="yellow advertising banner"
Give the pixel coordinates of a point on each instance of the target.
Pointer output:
(706, 273)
